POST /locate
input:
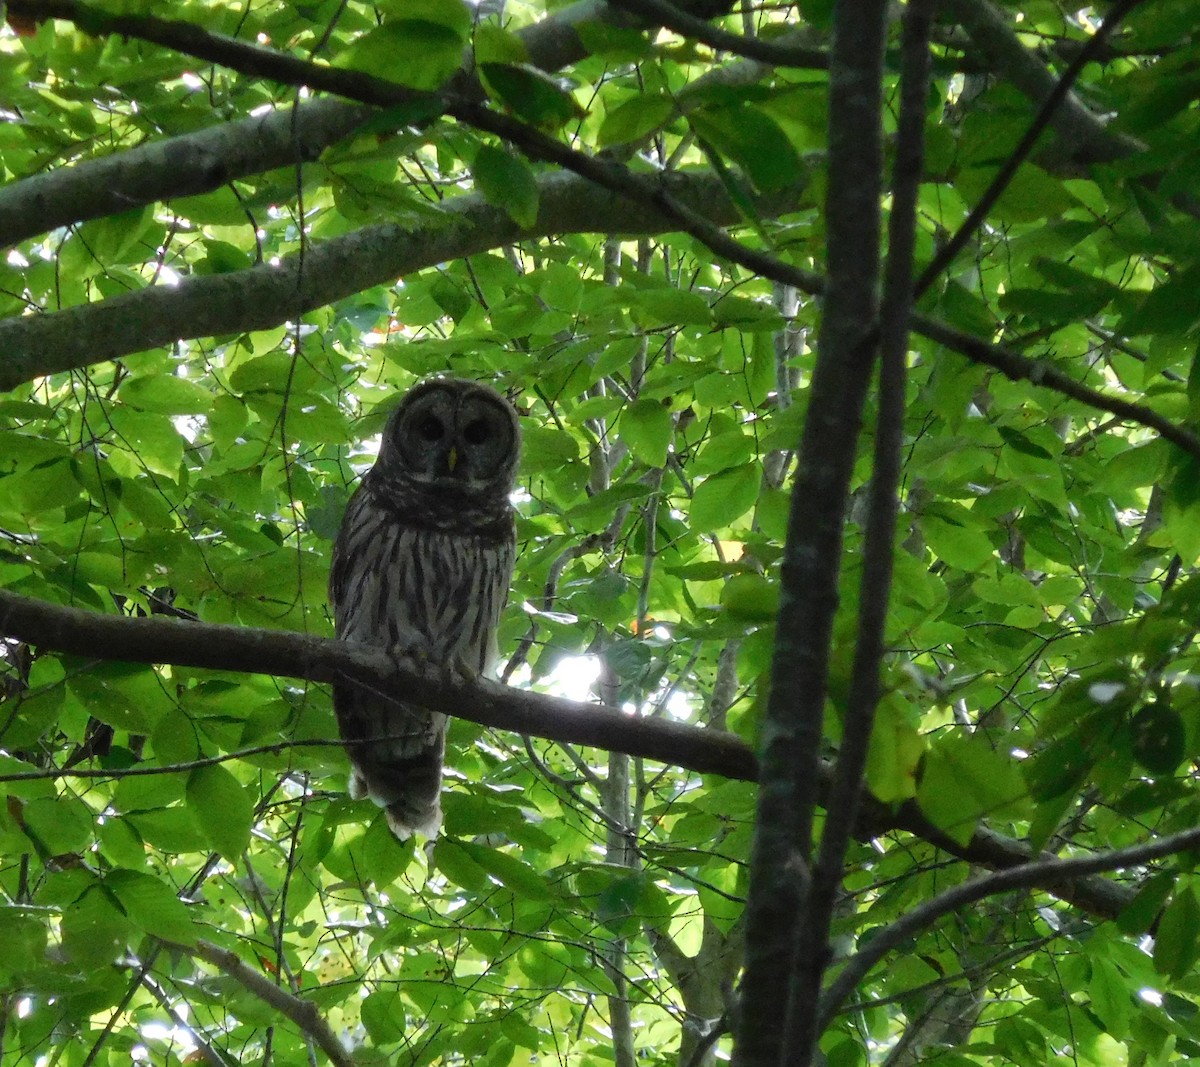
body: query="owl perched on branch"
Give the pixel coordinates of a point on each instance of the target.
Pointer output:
(422, 564)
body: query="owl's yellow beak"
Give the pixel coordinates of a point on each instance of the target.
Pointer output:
(452, 459)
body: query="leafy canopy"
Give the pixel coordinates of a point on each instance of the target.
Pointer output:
(218, 283)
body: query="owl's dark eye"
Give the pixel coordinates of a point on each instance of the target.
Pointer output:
(475, 432)
(431, 428)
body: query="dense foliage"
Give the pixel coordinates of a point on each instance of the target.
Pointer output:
(220, 274)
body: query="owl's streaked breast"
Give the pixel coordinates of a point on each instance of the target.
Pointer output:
(435, 593)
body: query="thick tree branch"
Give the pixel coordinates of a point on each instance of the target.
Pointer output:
(205, 160)
(158, 639)
(1084, 136)
(321, 659)
(883, 503)
(185, 165)
(780, 924)
(417, 106)
(266, 295)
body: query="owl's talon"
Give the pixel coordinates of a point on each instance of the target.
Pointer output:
(411, 659)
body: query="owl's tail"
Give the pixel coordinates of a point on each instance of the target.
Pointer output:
(404, 822)
(407, 787)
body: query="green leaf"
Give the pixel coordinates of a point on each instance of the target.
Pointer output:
(457, 864)
(25, 939)
(895, 752)
(668, 307)
(454, 15)
(732, 448)
(222, 809)
(1030, 196)
(634, 119)
(509, 871)
(125, 695)
(719, 501)
(748, 137)
(383, 1016)
(94, 930)
(166, 394)
(544, 448)
(1111, 998)
(153, 442)
(151, 905)
(600, 508)
(507, 181)
(1059, 768)
(1181, 509)
(751, 597)
(1139, 915)
(531, 94)
(494, 44)
(647, 427)
(61, 825)
(955, 537)
(418, 52)
(964, 779)
(1158, 741)
(1169, 308)
(1177, 940)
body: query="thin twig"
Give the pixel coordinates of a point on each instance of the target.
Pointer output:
(772, 53)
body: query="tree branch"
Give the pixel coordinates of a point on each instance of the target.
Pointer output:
(883, 501)
(1045, 116)
(322, 659)
(1043, 373)
(1084, 135)
(780, 922)
(777, 53)
(158, 639)
(1036, 873)
(264, 296)
(184, 165)
(205, 160)
(302, 1012)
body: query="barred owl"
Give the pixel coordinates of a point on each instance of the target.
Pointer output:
(422, 564)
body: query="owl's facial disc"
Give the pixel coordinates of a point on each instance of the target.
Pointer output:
(445, 436)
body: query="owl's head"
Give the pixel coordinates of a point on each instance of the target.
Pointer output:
(448, 432)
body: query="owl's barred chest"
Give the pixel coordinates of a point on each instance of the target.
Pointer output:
(436, 592)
